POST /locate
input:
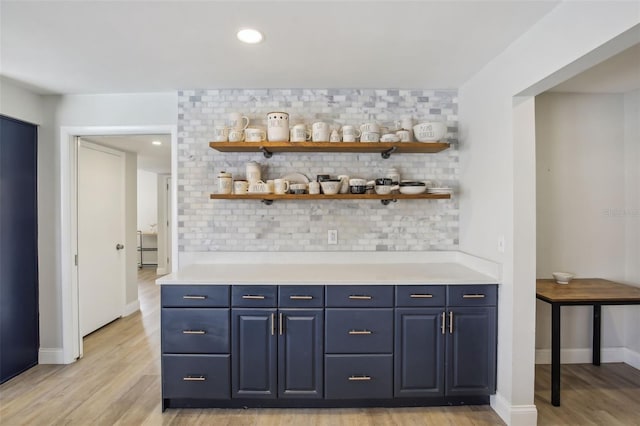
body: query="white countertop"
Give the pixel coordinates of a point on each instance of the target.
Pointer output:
(327, 274)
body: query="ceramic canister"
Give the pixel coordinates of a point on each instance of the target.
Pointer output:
(224, 183)
(278, 126)
(253, 172)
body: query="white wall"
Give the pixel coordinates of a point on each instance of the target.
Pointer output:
(497, 196)
(164, 239)
(131, 220)
(147, 200)
(632, 216)
(580, 154)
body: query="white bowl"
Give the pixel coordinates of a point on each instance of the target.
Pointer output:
(431, 131)
(412, 189)
(330, 187)
(562, 277)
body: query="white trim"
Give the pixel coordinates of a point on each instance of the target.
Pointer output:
(131, 308)
(632, 358)
(70, 332)
(583, 355)
(51, 356)
(514, 415)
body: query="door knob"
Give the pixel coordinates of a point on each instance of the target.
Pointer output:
(119, 246)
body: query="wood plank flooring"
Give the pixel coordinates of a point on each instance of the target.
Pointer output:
(118, 383)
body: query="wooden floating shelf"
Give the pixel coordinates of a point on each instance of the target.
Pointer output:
(386, 199)
(384, 148)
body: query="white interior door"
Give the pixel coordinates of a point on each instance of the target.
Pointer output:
(101, 233)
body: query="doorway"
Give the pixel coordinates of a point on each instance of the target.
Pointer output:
(72, 335)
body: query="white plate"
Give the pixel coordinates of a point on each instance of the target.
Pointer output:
(296, 178)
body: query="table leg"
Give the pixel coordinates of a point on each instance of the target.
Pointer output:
(597, 309)
(555, 354)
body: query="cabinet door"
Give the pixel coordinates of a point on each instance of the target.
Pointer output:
(471, 351)
(419, 352)
(254, 350)
(300, 353)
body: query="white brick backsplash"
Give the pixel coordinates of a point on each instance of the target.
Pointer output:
(248, 225)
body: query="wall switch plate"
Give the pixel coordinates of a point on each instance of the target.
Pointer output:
(501, 244)
(332, 236)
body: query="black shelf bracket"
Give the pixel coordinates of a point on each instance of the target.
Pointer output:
(386, 154)
(386, 202)
(267, 202)
(266, 152)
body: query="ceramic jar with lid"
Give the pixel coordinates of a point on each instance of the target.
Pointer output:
(225, 183)
(253, 172)
(278, 126)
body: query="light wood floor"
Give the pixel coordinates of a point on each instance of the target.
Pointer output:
(118, 382)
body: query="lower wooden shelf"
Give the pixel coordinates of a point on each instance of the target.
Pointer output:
(386, 199)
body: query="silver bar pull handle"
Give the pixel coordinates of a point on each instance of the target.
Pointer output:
(450, 322)
(188, 297)
(252, 297)
(421, 296)
(443, 326)
(194, 379)
(359, 378)
(301, 297)
(358, 297)
(473, 296)
(194, 332)
(359, 332)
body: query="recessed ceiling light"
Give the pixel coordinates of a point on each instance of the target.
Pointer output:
(249, 35)
(156, 143)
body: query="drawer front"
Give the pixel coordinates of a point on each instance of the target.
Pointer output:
(356, 296)
(196, 376)
(254, 296)
(358, 376)
(195, 296)
(472, 295)
(198, 330)
(350, 331)
(420, 295)
(301, 296)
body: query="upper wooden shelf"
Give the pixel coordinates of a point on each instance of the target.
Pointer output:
(384, 148)
(269, 198)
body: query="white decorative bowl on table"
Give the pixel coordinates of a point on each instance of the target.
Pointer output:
(562, 277)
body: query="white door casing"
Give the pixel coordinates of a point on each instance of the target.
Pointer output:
(101, 236)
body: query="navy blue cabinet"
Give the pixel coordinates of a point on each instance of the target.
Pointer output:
(19, 332)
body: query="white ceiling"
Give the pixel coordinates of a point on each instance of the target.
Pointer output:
(618, 74)
(152, 158)
(145, 46)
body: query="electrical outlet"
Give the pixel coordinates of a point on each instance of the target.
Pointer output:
(332, 236)
(501, 244)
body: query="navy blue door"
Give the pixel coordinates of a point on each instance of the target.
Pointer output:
(19, 248)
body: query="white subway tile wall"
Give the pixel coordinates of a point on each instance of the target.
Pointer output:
(302, 225)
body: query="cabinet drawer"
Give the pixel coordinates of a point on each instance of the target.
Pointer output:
(301, 296)
(195, 296)
(196, 376)
(420, 295)
(355, 296)
(351, 331)
(195, 330)
(358, 376)
(472, 295)
(255, 296)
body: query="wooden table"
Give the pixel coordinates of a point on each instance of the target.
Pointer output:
(581, 291)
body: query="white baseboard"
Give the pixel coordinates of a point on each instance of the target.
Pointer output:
(632, 358)
(50, 356)
(582, 355)
(131, 308)
(514, 415)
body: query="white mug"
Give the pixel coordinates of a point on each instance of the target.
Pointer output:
(299, 133)
(320, 131)
(314, 188)
(404, 135)
(350, 133)
(280, 186)
(254, 135)
(220, 133)
(236, 120)
(236, 135)
(278, 126)
(240, 187)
